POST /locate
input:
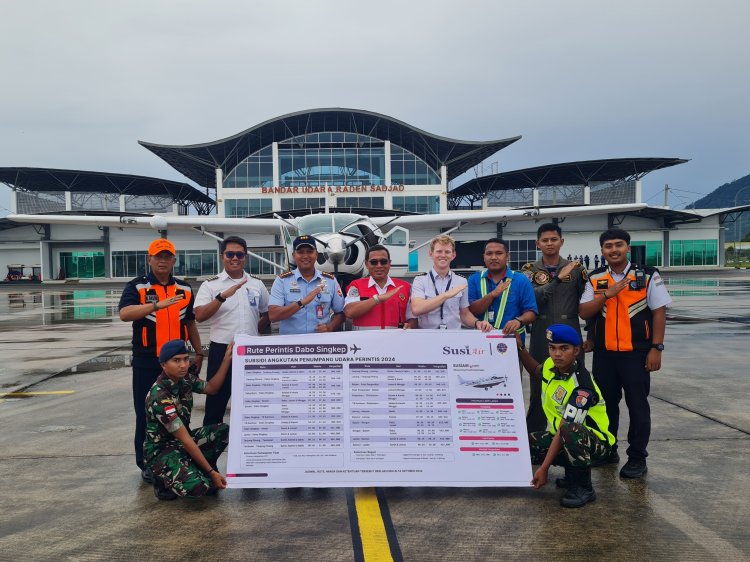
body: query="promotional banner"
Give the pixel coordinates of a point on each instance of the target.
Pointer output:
(377, 408)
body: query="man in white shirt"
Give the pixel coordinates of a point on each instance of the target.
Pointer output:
(234, 302)
(440, 298)
(625, 305)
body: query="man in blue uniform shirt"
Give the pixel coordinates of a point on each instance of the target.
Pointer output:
(306, 300)
(499, 295)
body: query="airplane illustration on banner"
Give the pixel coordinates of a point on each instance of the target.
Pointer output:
(485, 383)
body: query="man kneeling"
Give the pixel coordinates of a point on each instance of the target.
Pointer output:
(183, 460)
(577, 432)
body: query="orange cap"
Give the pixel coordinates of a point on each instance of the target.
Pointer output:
(161, 245)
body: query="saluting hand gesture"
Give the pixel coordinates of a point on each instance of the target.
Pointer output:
(226, 293)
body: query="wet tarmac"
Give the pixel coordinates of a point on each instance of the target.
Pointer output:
(72, 491)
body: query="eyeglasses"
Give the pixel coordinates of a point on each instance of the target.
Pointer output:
(379, 262)
(231, 255)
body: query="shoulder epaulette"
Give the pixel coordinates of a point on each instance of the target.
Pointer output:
(329, 275)
(254, 276)
(459, 275)
(139, 279)
(214, 278)
(286, 274)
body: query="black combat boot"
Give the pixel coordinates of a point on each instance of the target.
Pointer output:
(580, 491)
(161, 491)
(564, 482)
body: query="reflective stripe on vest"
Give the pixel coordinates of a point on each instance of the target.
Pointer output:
(555, 395)
(484, 285)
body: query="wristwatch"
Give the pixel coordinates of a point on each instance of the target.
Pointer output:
(659, 346)
(220, 298)
(299, 303)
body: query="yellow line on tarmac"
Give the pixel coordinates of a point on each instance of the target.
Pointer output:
(375, 544)
(27, 394)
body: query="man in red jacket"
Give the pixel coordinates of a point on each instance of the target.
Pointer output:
(379, 302)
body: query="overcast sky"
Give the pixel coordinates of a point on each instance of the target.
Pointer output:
(83, 81)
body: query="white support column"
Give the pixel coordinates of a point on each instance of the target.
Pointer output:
(122, 203)
(13, 201)
(275, 198)
(535, 197)
(587, 194)
(387, 162)
(220, 192)
(444, 189)
(638, 191)
(68, 201)
(275, 156)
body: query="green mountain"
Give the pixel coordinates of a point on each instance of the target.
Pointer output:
(729, 195)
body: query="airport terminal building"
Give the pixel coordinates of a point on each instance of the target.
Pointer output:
(338, 160)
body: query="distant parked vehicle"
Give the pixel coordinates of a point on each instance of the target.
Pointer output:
(24, 274)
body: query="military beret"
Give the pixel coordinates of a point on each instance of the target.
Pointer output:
(562, 333)
(170, 349)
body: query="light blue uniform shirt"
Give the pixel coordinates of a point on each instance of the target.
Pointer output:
(287, 289)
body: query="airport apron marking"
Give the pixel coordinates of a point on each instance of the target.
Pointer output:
(28, 394)
(373, 535)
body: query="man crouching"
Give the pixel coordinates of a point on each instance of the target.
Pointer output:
(183, 460)
(577, 433)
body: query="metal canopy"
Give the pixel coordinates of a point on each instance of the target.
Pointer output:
(199, 161)
(569, 173)
(82, 181)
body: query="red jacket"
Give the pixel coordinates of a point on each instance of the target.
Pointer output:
(391, 313)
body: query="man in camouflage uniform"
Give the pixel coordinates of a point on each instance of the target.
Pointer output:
(183, 460)
(577, 432)
(558, 285)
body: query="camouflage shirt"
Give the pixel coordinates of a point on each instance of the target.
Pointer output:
(168, 408)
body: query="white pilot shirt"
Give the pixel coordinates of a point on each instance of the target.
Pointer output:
(241, 313)
(423, 287)
(656, 294)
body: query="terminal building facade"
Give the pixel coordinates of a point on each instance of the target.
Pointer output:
(339, 160)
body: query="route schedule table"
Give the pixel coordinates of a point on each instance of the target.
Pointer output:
(399, 408)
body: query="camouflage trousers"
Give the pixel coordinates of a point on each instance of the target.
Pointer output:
(581, 446)
(176, 468)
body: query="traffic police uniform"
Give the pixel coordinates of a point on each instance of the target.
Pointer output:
(389, 314)
(622, 333)
(448, 315)
(150, 334)
(238, 314)
(168, 407)
(291, 287)
(557, 301)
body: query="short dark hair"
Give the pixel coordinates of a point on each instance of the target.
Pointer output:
(548, 227)
(503, 243)
(232, 240)
(614, 234)
(377, 248)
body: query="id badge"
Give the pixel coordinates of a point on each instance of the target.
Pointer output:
(491, 316)
(251, 300)
(443, 327)
(319, 312)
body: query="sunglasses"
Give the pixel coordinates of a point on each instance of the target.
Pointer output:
(231, 255)
(379, 262)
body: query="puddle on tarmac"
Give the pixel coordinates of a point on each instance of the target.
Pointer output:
(60, 428)
(108, 362)
(56, 306)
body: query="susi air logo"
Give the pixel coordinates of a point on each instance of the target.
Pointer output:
(465, 350)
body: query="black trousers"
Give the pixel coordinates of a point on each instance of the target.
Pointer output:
(216, 405)
(145, 372)
(618, 372)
